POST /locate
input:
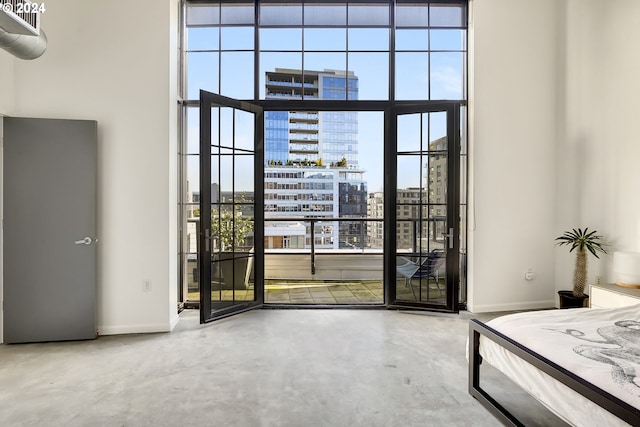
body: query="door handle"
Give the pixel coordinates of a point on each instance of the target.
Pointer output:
(449, 236)
(85, 241)
(207, 239)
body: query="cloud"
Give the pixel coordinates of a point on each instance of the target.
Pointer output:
(446, 82)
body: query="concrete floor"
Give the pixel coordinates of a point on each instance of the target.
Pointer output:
(261, 368)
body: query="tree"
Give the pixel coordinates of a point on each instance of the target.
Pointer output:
(342, 163)
(231, 230)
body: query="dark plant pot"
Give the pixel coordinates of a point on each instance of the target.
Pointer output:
(234, 271)
(567, 300)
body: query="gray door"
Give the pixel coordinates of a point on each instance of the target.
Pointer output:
(49, 229)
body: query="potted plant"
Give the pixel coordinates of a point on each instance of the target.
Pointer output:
(583, 241)
(231, 232)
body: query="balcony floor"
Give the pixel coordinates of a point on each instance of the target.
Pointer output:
(323, 292)
(326, 292)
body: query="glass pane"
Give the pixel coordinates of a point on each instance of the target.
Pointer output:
(409, 179)
(437, 238)
(244, 175)
(368, 14)
(427, 283)
(437, 175)
(412, 40)
(437, 125)
(371, 153)
(437, 178)
(237, 13)
(369, 39)
(226, 127)
(193, 178)
(226, 175)
(319, 62)
(446, 15)
(448, 39)
(372, 72)
(276, 137)
(406, 232)
(202, 38)
(325, 14)
(280, 14)
(193, 130)
(237, 38)
(215, 179)
(203, 15)
(244, 130)
(281, 39)
(412, 70)
(447, 76)
(412, 15)
(331, 39)
(237, 75)
(202, 73)
(408, 133)
(280, 86)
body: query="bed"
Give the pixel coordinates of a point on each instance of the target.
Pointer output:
(579, 363)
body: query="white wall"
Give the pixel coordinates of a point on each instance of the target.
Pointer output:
(6, 83)
(601, 143)
(554, 133)
(512, 137)
(116, 62)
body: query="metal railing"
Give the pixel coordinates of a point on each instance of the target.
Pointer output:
(324, 235)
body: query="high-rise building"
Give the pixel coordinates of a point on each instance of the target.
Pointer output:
(311, 158)
(298, 136)
(409, 235)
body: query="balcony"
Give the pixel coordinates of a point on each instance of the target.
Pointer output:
(299, 272)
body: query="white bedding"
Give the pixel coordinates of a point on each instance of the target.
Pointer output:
(600, 345)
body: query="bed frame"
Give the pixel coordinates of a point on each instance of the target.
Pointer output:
(606, 400)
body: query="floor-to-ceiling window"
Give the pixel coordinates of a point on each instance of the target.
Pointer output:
(327, 186)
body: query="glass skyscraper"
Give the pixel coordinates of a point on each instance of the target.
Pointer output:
(298, 136)
(320, 145)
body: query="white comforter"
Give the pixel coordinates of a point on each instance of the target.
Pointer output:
(599, 345)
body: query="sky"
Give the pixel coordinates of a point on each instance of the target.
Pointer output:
(325, 49)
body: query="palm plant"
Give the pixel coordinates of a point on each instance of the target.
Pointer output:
(583, 241)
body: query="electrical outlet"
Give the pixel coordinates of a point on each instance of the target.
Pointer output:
(598, 280)
(529, 275)
(146, 285)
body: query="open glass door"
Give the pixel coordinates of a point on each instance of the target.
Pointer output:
(231, 199)
(423, 240)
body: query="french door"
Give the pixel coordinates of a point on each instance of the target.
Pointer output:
(423, 174)
(421, 208)
(231, 237)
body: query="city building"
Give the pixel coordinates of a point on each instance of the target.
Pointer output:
(311, 157)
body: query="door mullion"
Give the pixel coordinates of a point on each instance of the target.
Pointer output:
(453, 206)
(204, 242)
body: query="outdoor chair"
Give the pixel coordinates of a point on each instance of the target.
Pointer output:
(426, 268)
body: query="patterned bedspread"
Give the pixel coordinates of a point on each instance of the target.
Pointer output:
(600, 345)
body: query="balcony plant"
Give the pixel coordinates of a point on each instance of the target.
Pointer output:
(231, 229)
(583, 242)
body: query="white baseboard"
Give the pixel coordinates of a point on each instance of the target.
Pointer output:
(529, 305)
